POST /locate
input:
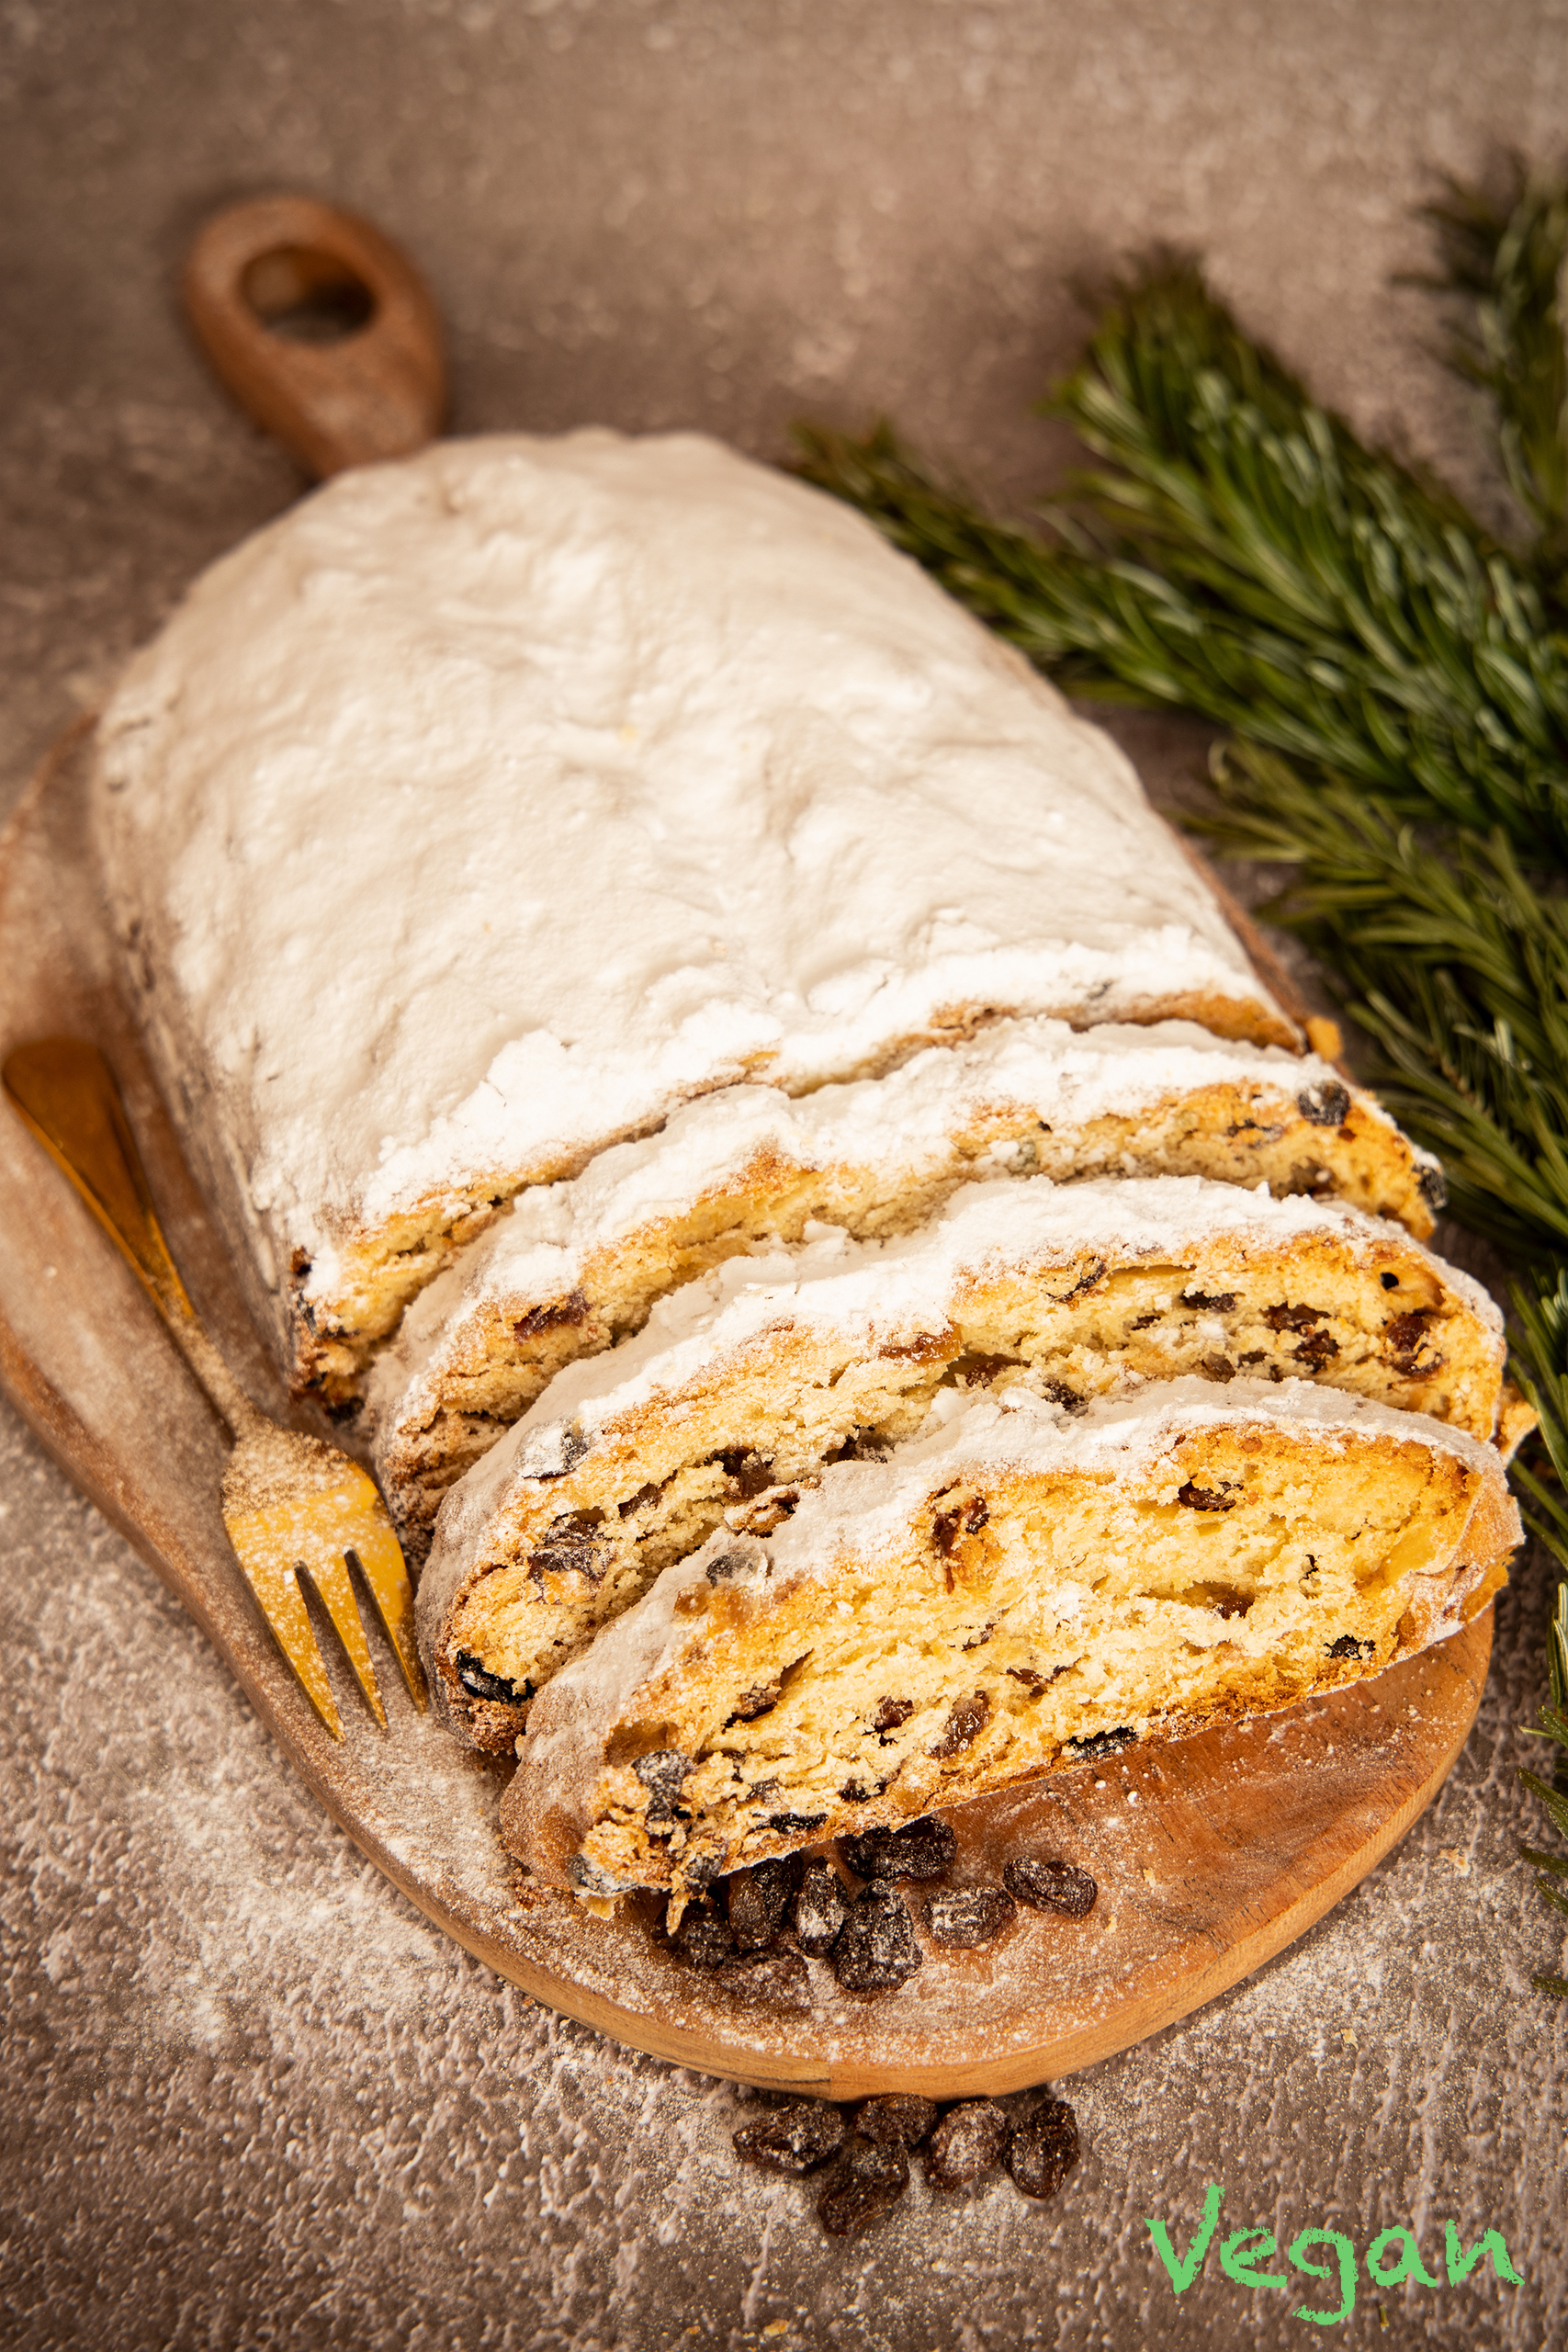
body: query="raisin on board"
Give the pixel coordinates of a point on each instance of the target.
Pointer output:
(792, 2138)
(968, 2142)
(895, 2119)
(922, 1848)
(867, 2183)
(1051, 1886)
(703, 1939)
(1042, 2149)
(962, 1917)
(820, 1909)
(767, 1980)
(758, 1898)
(877, 1946)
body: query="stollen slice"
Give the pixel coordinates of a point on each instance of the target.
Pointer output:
(744, 1385)
(1015, 1592)
(577, 1266)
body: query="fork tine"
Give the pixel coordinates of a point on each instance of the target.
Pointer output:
(325, 1567)
(378, 1556)
(272, 1579)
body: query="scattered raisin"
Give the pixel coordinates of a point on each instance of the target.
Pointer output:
(1318, 1347)
(1101, 1744)
(792, 2138)
(968, 2142)
(820, 1909)
(1198, 1497)
(1051, 1886)
(867, 2183)
(727, 1565)
(748, 1473)
(1326, 1105)
(1221, 1303)
(895, 2119)
(572, 1550)
(964, 1519)
(761, 1699)
(922, 1848)
(662, 1774)
(1433, 1187)
(774, 1980)
(891, 1713)
(793, 1825)
(481, 1683)
(1057, 1392)
(1389, 1281)
(965, 1720)
(643, 1496)
(877, 1946)
(1348, 1647)
(760, 1897)
(573, 1308)
(1042, 2149)
(962, 1917)
(703, 1939)
(1216, 1367)
(1293, 1319)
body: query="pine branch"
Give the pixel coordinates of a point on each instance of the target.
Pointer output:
(1504, 262)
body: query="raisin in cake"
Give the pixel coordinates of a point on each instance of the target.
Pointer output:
(488, 805)
(577, 1266)
(1011, 1593)
(747, 1382)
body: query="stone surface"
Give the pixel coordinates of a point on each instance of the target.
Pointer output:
(250, 2096)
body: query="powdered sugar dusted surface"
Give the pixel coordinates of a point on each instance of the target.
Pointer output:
(487, 804)
(906, 1118)
(889, 1289)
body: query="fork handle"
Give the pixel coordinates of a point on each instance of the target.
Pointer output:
(65, 1091)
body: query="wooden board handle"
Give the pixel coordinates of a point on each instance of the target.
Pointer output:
(320, 328)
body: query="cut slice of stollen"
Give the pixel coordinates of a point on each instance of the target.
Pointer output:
(745, 1383)
(1015, 1592)
(577, 1266)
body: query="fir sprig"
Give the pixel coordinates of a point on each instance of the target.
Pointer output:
(1395, 684)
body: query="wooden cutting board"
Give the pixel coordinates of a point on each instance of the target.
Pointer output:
(1211, 1855)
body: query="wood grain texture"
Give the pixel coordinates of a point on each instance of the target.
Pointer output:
(1211, 1854)
(375, 390)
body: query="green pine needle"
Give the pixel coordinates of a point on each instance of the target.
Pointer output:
(1394, 688)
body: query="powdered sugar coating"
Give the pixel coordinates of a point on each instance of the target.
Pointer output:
(488, 804)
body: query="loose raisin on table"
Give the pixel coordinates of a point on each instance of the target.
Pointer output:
(768, 1980)
(703, 1939)
(792, 2138)
(877, 1946)
(868, 2183)
(1042, 2149)
(968, 2142)
(922, 1848)
(1051, 1886)
(895, 2119)
(760, 1897)
(820, 1909)
(962, 1917)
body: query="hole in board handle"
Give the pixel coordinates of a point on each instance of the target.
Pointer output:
(307, 295)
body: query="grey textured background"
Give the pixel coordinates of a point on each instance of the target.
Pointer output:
(250, 2096)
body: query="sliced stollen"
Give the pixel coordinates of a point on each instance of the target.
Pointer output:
(488, 805)
(746, 1382)
(576, 1266)
(1013, 1593)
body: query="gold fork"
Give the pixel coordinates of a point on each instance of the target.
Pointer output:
(292, 1504)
